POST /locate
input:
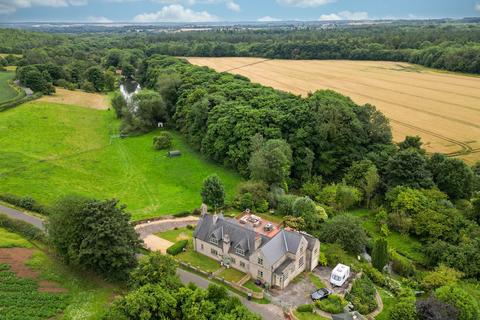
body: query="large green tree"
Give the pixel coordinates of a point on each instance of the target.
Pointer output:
(345, 230)
(408, 168)
(452, 176)
(213, 191)
(272, 162)
(94, 235)
(380, 254)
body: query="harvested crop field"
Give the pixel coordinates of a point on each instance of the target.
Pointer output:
(78, 98)
(443, 108)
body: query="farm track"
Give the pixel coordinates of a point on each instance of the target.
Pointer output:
(411, 97)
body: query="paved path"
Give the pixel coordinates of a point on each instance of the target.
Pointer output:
(19, 215)
(266, 311)
(148, 228)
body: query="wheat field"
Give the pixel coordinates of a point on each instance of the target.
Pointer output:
(443, 108)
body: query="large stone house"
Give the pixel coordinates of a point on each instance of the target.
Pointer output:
(273, 255)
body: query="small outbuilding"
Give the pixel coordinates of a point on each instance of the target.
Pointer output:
(174, 153)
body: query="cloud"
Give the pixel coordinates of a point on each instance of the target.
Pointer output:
(344, 15)
(175, 13)
(304, 3)
(10, 6)
(477, 6)
(96, 19)
(268, 19)
(233, 6)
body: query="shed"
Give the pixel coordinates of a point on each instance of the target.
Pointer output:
(174, 153)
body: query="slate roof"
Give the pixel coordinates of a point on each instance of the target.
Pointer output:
(243, 236)
(240, 236)
(284, 266)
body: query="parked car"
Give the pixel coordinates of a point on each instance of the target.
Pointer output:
(321, 294)
(339, 275)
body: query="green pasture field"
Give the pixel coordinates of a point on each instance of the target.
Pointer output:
(49, 150)
(6, 91)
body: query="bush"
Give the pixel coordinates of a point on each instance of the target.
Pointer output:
(162, 141)
(177, 247)
(87, 86)
(404, 310)
(26, 203)
(252, 195)
(345, 230)
(402, 265)
(467, 306)
(285, 204)
(442, 276)
(333, 304)
(362, 295)
(21, 227)
(305, 308)
(181, 214)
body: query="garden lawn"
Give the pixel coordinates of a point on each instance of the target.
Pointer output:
(87, 297)
(199, 260)
(308, 316)
(6, 91)
(231, 275)
(316, 281)
(402, 243)
(389, 301)
(175, 235)
(49, 150)
(252, 286)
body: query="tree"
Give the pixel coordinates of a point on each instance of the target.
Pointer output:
(128, 71)
(213, 192)
(467, 306)
(452, 176)
(411, 142)
(339, 196)
(162, 141)
(158, 269)
(380, 254)
(434, 309)
(109, 81)
(272, 162)
(95, 76)
(408, 168)
(34, 80)
(363, 175)
(147, 110)
(345, 230)
(440, 277)
(119, 104)
(149, 302)
(297, 223)
(305, 207)
(258, 194)
(94, 235)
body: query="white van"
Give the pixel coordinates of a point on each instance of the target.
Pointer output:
(339, 275)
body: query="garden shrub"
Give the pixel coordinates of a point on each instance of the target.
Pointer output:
(401, 265)
(177, 247)
(23, 228)
(362, 295)
(468, 307)
(332, 304)
(404, 310)
(285, 204)
(305, 308)
(162, 141)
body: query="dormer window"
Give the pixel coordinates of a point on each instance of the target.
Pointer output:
(239, 251)
(213, 239)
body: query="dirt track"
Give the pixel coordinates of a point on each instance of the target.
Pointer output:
(443, 108)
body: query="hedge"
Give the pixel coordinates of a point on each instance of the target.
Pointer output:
(17, 101)
(177, 247)
(182, 214)
(23, 228)
(26, 203)
(305, 308)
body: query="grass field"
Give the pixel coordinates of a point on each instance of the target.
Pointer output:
(443, 108)
(231, 275)
(49, 150)
(6, 92)
(78, 98)
(199, 260)
(81, 296)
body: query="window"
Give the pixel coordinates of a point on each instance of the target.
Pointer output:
(214, 252)
(260, 274)
(316, 250)
(260, 261)
(239, 251)
(201, 246)
(301, 262)
(213, 240)
(232, 260)
(242, 264)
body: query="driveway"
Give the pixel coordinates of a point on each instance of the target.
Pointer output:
(19, 215)
(294, 294)
(148, 228)
(155, 243)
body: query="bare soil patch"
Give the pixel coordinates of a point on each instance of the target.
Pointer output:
(155, 243)
(78, 98)
(17, 258)
(442, 108)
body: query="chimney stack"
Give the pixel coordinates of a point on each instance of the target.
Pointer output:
(258, 241)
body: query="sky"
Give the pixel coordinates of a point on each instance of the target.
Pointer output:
(151, 11)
